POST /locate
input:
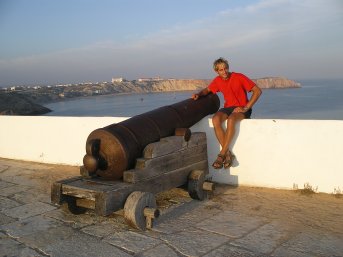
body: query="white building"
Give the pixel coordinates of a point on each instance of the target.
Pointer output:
(117, 80)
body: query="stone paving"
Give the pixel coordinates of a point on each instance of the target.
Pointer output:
(235, 221)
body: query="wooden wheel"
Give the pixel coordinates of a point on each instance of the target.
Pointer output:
(140, 210)
(196, 181)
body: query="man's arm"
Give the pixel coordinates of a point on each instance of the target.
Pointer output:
(203, 92)
(256, 92)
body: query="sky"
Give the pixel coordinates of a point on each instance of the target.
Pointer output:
(46, 42)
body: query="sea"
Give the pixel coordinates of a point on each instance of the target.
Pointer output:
(315, 100)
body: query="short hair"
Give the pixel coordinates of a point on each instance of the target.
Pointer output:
(220, 61)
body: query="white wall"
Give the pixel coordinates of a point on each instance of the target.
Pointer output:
(57, 140)
(270, 153)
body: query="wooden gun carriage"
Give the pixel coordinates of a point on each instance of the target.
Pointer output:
(175, 159)
(171, 162)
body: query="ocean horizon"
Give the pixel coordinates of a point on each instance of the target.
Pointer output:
(315, 99)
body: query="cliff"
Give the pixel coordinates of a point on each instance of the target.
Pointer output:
(183, 85)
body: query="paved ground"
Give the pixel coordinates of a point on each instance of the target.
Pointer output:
(235, 221)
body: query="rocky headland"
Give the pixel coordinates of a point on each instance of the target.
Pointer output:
(276, 82)
(28, 101)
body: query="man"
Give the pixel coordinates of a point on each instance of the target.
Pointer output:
(234, 87)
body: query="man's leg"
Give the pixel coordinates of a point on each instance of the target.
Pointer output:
(230, 130)
(217, 121)
(225, 136)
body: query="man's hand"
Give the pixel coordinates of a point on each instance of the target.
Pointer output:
(202, 93)
(195, 96)
(240, 109)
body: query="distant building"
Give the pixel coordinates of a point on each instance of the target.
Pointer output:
(117, 80)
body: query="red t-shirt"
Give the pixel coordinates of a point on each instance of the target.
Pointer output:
(234, 89)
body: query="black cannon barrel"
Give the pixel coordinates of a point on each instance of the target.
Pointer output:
(113, 149)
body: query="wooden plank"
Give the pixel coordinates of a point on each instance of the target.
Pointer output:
(113, 200)
(165, 146)
(56, 193)
(93, 184)
(172, 179)
(88, 188)
(89, 204)
(146, 163)
(171, 144)
(153, 167)
(78, 192)
(91, 193)
(56, 190)
(102, 182)
(197, 138)
(135, 176)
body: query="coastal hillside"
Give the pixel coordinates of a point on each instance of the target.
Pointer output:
(17, 104)
(27, 100)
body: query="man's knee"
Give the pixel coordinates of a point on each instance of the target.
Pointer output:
(234, 117)
(217, 119)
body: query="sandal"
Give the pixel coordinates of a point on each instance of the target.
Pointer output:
(229, 158)
(219, 162)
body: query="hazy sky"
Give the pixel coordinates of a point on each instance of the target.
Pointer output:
(69, 41)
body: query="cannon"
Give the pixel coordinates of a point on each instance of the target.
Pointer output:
(113, 149)
(128, 162)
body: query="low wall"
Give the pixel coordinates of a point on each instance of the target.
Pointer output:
(270, 153)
